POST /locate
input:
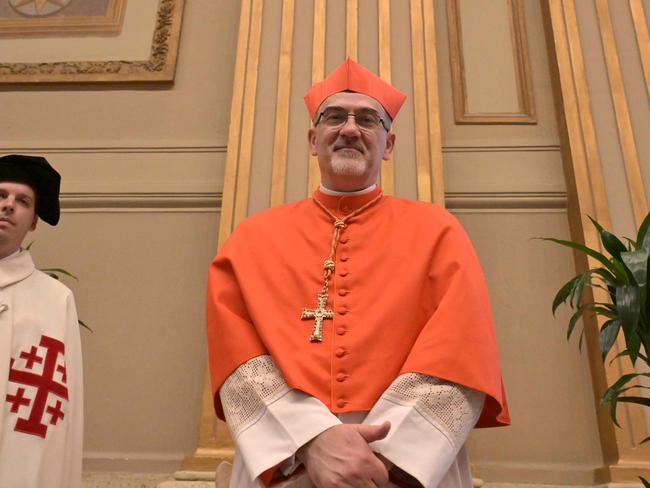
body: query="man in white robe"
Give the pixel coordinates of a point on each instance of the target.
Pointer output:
(41, 426)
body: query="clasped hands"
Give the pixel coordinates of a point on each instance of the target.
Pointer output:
(341, 458)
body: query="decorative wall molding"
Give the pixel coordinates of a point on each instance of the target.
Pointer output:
(513, 148)
(428, 138)
(631, 160)
(281, 137)
(160, 66)
(141, 202)
(642, 38)
(523, 78)
(211, 202)
(506, 200)
(114, 149)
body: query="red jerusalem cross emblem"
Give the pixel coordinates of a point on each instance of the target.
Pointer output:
(43, 384)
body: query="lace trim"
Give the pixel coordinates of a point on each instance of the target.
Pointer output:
(248, 390)
(454, 408)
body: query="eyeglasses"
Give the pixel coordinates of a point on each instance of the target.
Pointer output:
(336, 117)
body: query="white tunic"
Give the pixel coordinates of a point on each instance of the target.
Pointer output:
(430, 421)
(41, 422)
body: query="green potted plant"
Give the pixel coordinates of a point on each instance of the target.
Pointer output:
(624, 278)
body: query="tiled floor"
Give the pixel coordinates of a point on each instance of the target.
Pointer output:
(165, 480)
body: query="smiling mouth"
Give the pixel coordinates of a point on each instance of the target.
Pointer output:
(348, 148)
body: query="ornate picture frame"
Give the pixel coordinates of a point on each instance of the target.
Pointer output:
(159, 67)
(37, 18)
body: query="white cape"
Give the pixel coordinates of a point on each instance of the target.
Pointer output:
(41, 420)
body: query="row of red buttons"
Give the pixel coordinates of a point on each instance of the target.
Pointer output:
(340, 352)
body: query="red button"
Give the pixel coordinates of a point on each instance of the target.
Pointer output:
(342, 311)
(340, 331)
(344, 257)
(343, 292)
(341, 377)
(345, 208)
(344, 239)
(343, 272)
(340, 352)
(341, 403)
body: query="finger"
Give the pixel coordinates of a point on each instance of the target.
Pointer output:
(380, 475)
(372, 433)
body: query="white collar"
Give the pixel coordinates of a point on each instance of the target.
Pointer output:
(13, 254)
(336, 193)
(15, 267)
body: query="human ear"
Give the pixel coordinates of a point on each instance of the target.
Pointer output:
(311, 138)
(34, 222)
(390, 145)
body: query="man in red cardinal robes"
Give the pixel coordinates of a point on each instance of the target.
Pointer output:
(350, 336)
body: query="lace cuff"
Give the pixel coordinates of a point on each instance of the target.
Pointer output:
(249, 390)
(453, 408)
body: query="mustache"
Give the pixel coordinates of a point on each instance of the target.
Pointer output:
(349, 145)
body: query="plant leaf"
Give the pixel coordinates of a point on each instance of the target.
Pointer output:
(627, 302)
(643, 236)
(633, 387)
(614, 266)
(607, 276)
(582, 336)
(608, 334)
(579, 285)
(605, 312)
(54, 271)
(84, 325)
(611, 394)
(631, 245)
(574, 320)
(627, 353)
(637, 263)
(612, 243)
(635, 399)
(643, 480)
(563, 293)
(634, 348)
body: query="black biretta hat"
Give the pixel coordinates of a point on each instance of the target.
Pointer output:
(36, 172)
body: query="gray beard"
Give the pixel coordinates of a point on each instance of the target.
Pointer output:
(348, 166)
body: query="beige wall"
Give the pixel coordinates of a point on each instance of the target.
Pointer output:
(141, 287)
(553, 437)
(142, 170)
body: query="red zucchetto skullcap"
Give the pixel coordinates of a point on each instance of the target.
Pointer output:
(351, 76)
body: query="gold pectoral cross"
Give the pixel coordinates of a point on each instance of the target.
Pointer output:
(319, 314)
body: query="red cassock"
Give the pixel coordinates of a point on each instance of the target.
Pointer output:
(408, 295)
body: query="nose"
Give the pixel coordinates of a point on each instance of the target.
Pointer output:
(8, 204)
(350, 127)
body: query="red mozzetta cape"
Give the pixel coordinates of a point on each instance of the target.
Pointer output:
(408, 295)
